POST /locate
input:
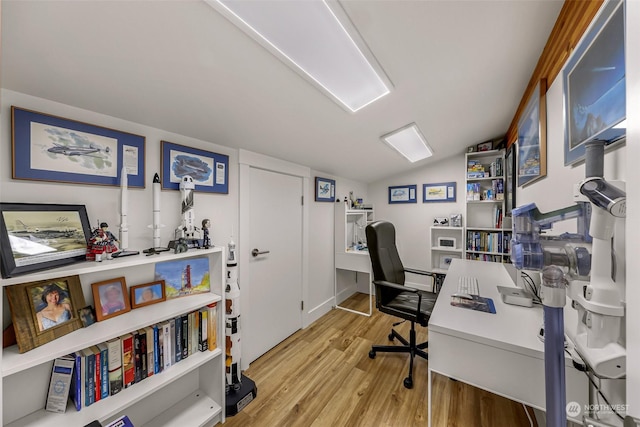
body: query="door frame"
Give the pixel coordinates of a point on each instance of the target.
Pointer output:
(248, 160)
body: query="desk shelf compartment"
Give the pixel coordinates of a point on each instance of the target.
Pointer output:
(25, 377)
(446, 243)
(351, 258)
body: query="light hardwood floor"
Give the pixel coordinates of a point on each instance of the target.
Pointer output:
(323, 376)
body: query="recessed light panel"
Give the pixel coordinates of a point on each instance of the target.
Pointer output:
(409, 142)
(308, 35)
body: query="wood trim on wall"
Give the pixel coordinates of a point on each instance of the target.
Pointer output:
(572, 22)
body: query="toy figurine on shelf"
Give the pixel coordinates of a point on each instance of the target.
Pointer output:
(102, 244)
(206, 241)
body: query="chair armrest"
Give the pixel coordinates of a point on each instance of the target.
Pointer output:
(401, 288)
(420, 272)
(395, 286)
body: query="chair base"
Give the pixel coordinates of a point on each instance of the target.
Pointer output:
(409, 346)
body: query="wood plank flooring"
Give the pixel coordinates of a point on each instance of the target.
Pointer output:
(323, 376)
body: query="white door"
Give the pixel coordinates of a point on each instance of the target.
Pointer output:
(275, 293)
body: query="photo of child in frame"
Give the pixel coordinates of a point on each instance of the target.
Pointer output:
(110, 298)
(148, 293)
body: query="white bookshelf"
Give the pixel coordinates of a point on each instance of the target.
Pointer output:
(193, 386)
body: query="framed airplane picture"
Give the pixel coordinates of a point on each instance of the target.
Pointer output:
(52, 148)
(210, 171)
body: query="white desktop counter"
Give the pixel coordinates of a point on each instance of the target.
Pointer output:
(500, 352)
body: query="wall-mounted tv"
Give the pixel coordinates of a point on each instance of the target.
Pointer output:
(594, 84)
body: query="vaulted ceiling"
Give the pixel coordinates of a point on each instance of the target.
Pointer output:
(458, 68)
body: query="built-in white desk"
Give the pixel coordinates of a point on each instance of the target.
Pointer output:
(501, 352)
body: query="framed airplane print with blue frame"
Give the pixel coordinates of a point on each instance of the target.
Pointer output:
(210, 171)
(51, 148)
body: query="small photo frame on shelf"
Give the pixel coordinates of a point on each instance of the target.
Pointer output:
(180, 284)
(325, 189)
(37, 236)
(441, 192)
(148, 293)
(110, 298)
(87, 316)
(445, 260)
(485, 146)
(532, 137)
(51, 148)
(403, 194)
(209, 170)
(44, 310)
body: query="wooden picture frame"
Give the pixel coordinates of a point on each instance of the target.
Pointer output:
(440, 192)
(87, 316)
(110, 297)
(148, 293)
(52, 148)
(325, 190)
(209, 170)
(403, 194)
(39, 316)
(485, 146)
(532, 137)
(38, 236)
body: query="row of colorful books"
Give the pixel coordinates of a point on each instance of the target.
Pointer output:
(105, 369)
(484, 241)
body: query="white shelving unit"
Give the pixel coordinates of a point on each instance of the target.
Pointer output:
(485, 238)
(352, 255)
(193, 388)
(446, 243)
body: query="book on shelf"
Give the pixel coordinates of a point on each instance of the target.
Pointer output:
(128, 362)
(212, 326)
(144, 364)
(158, 343)
(90, 376)
(97, 378)
(176, 330)
(77, 394)
(193, 333)
(167, 345)
(114, 347)
(151, 347)
(137, 359)
(60, 384)
(104, 370)
(185, 336)
(203, 322)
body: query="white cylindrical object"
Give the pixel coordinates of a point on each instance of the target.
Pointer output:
(156, 214)
(124, 207)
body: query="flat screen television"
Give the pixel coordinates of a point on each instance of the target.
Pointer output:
(594, 84)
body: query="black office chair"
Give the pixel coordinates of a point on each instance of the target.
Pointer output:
(392, 297)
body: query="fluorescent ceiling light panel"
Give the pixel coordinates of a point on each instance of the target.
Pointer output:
(409, 142)
(309, 35)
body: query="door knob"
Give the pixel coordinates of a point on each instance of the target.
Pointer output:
(257, 252)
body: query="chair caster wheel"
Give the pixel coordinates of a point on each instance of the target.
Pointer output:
(390, 336)
(408, 383)
(372, 354)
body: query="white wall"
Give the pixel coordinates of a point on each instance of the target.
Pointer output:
(321, 244)
(413, 221)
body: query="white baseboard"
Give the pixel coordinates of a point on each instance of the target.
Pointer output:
(317, 312)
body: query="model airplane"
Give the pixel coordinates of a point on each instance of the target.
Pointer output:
(69, 150)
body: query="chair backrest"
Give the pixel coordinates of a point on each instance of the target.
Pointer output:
(385, 261)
